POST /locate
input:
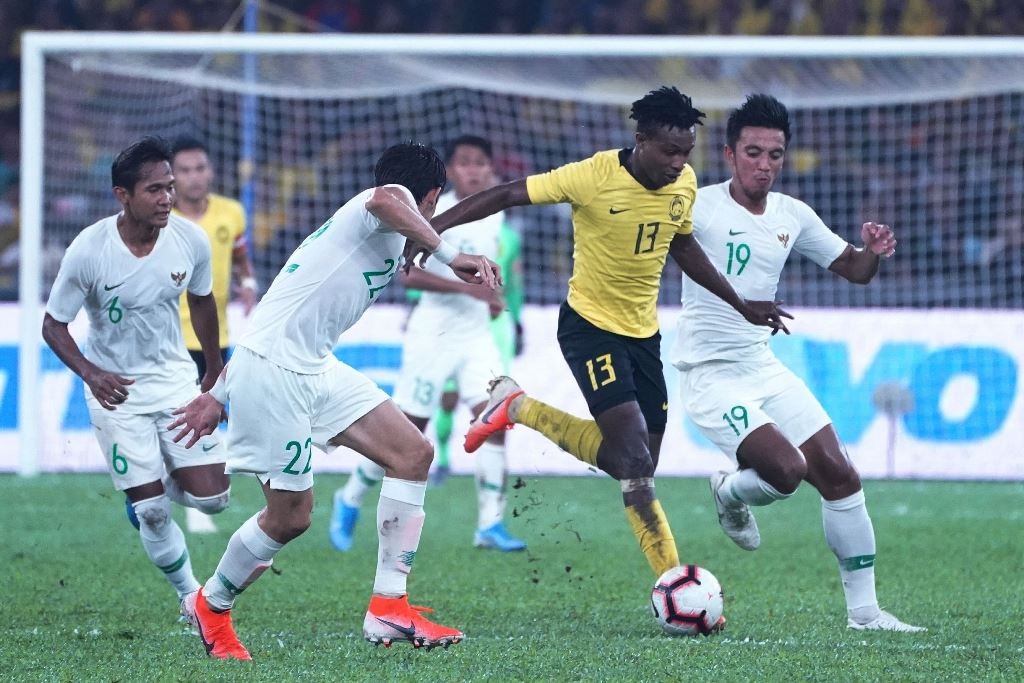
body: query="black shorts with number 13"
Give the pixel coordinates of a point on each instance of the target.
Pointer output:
(612, 369)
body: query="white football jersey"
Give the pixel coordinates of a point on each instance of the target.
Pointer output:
(325, 287)
(132, 303)
(750, 250)
(453, 313)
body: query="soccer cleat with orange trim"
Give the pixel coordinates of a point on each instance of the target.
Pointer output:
(215, 628)
(390, 620)
(494, 417)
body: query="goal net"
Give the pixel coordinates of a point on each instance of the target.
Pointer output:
(923, 135)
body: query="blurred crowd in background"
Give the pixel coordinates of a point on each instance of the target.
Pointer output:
(663, 17)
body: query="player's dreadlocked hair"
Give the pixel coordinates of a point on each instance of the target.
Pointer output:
(416, 167)
(124, 172)
(759, 111)
(667, 107)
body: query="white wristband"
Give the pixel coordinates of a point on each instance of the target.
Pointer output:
(445, 253)
(249, 283)
(219, 390)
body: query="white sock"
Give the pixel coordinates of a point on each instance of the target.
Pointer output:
(849, 534)
(490, 484)
(165, 543)
(365, 476)
(399, 524)
(173, 490)
(747, 486)
(249, 553)
(208, 505)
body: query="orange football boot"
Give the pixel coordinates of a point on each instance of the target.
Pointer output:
(389, 620)
(214, 628)
(494, 417)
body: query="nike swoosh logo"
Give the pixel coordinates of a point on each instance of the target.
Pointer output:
(614, 211)
(733, 233)
(865, 563)
(210, 448)
(110, 287)
(485, 417)
(409, 630)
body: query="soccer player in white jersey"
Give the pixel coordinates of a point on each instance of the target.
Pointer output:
(734, 388)
(129, 271)
(454, 312)
(289, 392)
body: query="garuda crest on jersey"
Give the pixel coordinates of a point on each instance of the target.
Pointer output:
(178, 278)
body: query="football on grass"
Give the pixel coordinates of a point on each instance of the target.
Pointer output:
(687, 601)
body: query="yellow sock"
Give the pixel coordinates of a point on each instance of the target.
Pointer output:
(579, 437)
(650, 526)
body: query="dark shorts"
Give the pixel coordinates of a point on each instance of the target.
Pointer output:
(612, 369)
(200, 361)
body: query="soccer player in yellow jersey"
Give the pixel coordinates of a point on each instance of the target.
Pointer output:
(223, 221)
(631, 209)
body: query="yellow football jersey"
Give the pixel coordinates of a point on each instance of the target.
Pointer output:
(621, 235)
(224, 223)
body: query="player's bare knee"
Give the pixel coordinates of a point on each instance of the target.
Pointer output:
(788, 476)
(839, 485)
(290, 526)
(299, 523)
(415, 461)
(636, 465)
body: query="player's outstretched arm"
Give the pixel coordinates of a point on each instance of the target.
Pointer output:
(206, 326)
(392, 207)
(109, 389)
(472, 208)
(859, 266)
(417, 278)
(482, 204)
(687, 252)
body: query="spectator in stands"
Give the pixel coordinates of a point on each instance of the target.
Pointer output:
(336, 15)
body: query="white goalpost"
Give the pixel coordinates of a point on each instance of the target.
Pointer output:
(923, 133)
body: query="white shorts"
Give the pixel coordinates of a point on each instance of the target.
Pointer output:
(428, 363)
(729, 399)
(278, 415)
(139, 449)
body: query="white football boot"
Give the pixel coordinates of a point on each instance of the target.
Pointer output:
(884, 622)
(737, 522)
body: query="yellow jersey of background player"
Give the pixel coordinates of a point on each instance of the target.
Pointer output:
(223, 220)
(224, 224)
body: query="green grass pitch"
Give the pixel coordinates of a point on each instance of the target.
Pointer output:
(82, 602)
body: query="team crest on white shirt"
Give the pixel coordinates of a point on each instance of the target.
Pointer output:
(783, 239)
(178, 278)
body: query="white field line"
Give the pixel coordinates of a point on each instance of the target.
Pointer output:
(898, 641)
